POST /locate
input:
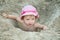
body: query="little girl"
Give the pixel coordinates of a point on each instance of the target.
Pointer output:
(27, 19)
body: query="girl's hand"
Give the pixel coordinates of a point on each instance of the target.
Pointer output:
(44, 27)
(5, 15)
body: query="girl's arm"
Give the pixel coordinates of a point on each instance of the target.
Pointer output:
(43, 27)
(9, 16)
(12, 17)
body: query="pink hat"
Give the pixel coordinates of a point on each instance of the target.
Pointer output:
(29, 10)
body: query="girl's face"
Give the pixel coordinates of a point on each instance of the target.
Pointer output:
(29, 20)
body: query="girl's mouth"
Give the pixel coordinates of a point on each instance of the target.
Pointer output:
(30, 24)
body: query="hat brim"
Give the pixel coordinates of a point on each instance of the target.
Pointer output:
(30, 13)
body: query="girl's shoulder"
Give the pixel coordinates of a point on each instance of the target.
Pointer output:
(37, 24)
(19, 20)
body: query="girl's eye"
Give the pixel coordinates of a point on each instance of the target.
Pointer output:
(27, 19)
(32, 18)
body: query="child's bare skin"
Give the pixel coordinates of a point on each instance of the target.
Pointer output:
(28, 22)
